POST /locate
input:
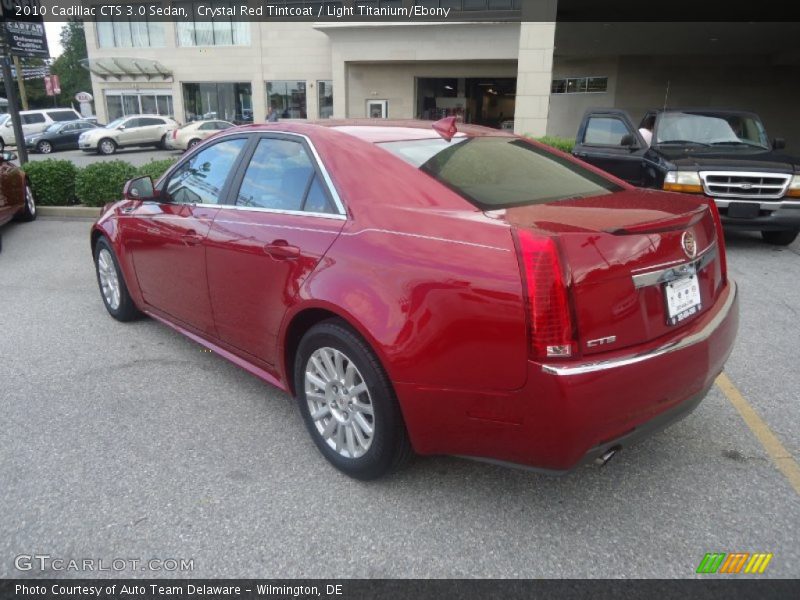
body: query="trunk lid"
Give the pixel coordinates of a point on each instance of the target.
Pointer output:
(618, 250)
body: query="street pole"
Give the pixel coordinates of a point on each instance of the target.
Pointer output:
(23, 96)
(11, 96)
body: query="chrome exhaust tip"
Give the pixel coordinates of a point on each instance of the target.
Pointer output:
(603, 459)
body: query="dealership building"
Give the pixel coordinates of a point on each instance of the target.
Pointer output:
(490, 63)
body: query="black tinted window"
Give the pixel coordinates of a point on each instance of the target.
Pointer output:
(500, 172)
(605, 131)
(200, 179)
(148, 121)
(32, 118)
(62, 115)
(278, 176)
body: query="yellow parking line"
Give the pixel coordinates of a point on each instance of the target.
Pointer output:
(777, 452)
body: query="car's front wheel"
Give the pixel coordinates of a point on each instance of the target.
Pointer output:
(29, 210)
(106, 146)
(44, 147)
(348, 403)
(192, 143)
(780, 238)
(113, 290)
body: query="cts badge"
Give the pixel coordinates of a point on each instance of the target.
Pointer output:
(601, 341)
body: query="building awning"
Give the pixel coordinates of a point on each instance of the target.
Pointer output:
(119, 67)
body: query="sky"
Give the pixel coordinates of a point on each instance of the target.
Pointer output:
(53, 30)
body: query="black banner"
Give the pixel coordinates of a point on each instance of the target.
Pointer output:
(408, 11)
(23, 29)
(416, 589)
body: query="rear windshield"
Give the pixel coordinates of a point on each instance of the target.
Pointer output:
(500, 172)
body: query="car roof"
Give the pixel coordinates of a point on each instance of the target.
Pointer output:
(704, 110)
(378, 131)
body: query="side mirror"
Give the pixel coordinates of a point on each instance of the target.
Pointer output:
(140, 189)
(121, 128)
(628, 141)
(779, 143)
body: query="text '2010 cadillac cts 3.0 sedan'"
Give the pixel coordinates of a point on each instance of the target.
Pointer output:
(430, 289)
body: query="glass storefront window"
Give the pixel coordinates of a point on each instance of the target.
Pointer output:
(227, 101)
(325, 91)
(122, 104)
(288, 98)
(222, 31)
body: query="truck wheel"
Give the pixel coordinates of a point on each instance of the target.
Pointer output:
(780, 238)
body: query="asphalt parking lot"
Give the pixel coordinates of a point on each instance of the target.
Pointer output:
(128, 440)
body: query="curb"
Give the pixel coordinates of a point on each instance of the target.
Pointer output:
(78, 212)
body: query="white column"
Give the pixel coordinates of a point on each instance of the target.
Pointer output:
(534, 77)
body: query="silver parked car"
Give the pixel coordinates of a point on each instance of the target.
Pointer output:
(133, 130)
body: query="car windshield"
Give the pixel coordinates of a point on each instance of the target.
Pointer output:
(54, 127)
(501, 172)
(710, 129)
(115, 123)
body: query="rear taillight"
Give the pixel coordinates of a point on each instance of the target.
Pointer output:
(723, 260)
(548, 306)
(174, 134)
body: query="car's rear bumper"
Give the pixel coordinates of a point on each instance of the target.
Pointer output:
(573, 412)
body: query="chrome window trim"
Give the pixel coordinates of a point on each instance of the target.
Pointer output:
(674, 346)
(675, 271)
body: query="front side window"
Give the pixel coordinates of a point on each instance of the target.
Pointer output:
(288, 98)
(202, 177)
(281, 176)
(605, 131)
(500, 172)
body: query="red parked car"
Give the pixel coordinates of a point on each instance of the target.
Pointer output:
(420, 288)
(16, 196)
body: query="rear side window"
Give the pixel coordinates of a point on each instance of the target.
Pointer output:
(62, 115)
(500, 172)
(605, 131)
(201, 178)
(281, 176)
(32, 118)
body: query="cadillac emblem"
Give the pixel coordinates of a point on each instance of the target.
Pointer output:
(689, 244)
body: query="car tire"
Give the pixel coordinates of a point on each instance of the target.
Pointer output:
(106, 146)
(192, 143)
(29, 211)
(44, 147)
(362, 434)
(780, 238)
(113, 291)
(162, 144)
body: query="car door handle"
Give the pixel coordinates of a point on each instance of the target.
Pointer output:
(191, 238)
(282, 250)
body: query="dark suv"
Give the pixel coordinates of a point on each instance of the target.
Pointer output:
(724, 154)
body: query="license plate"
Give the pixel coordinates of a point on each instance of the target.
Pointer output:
(682, 297)
(743, 210)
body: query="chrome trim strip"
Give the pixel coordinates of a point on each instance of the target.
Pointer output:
(773, 191)
(649, 278)
(337, 200)
(614, 363)
(278, 211)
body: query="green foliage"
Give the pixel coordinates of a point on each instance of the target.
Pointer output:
(155, 168)
(563, 144)
(52, 181)
(102, 182)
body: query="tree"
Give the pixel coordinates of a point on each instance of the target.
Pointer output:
(74, 77)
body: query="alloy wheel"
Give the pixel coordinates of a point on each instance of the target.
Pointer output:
(30, 203)
(339, 402)
(45, 147)
(109, 281)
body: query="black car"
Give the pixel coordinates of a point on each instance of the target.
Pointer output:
(59, 136)
(723, 154)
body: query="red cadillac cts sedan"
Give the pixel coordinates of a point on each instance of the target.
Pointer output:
(431, 290)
